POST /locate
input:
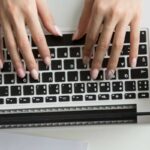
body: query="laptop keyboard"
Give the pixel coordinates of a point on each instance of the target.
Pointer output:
(67, 80)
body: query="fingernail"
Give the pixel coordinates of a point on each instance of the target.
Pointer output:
(75, 35)
(34, 74)
(58, 31)
(86, 60)
(1, 64)
(133, 62)
(21, 73)
(109, 74)
(47, 61)
(94, 73)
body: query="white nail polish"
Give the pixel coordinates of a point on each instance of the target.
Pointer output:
(1, 64)
(94, 73)
(47, 61)
(21, 73)
(133, 62)
(75, 35)
(34, 74)
(86, 60)
(110, 74)
(58, 31)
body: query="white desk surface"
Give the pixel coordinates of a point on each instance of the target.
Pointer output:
(103, 137)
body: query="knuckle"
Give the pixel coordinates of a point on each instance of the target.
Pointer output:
(117, 45)
(39, 39)
(100, 7)
(116, 12)
(23, 44)
(104, 45)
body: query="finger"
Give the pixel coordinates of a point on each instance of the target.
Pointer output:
(117, 46)
(1, 50)
(84, 20)
(12, 48)
(47, 18)
(102, 47)
(134, 41)
(38, 36)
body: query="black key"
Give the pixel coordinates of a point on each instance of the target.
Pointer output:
(0, 79)
(116, 96)
(47, 77)
(22, 80)
(139, 73)
(6, 67)
(8, 56)
(37, 99)
(90, 97)
(121, 62)
(42, 66)
(15, 90)
(66, 88)
(105, 87)
(52, 51)
(4, 91)
(80, 64)
(1, 101)
(143, 95)
(92, 87)
(62, 52)
(41, 89)
(130, 95)
(75, 52)
(60, 77)
(51, 99)
(103, 97)
(64, 98)
(77, 98)
(54, 89)
(142, 49)
(100, 76)
(117, 86)
(130, 85)
(123, 74)
(36, 54)
(69, 64)
(142, 61)
(56, 64)
(72, 76)
(79, 88)
(9, 78)
(28, 90)
(31, 80)
(143, 36)
(105, 62)
(85, 76)
(143, 85)
(125, 50)
(24, 100)
(11, 101)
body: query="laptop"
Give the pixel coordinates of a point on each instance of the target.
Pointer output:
(65, 93)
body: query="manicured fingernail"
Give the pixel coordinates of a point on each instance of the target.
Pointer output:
(21, 73)
(1, 64)
(34, 74)
(86, 60)
(133, 62)
(75, 35)
(94, 73)
(110, 74)
(47, 61)
(58, 31)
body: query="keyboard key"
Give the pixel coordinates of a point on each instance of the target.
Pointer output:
(75, 52)
(79, 88)
(52, 52)
(85, 76)
(121, 62)
(31, 80)
(72, 76)
(62, 52)
(1, 101)
(11, 100)
(139, 73)
(103, 97)
(60, 77)
(125, 50)
(92, 87)
(6, 67)
(64, 98)
(37, 99)
(54, 89)
(142, 49)
(22, 80)
(116, 96)
(47, 77)
(66, 88)
(143, 95)
(105, 87)
(77, 98)
(130, 86)
(36, 54)
(130, 95)
(4, 91)
(143, 36)
(80, 64)
(41, 89)
(100, 76)
(117, 86)
(9, 78)
(0, 79)
(28, 90)
(90, 97)
(69, 64)
(24, 100)
(143, 85)
(56, 65)
(15, 90)
(123, 74)
(51, 99)
(142, 61)
(42, 66)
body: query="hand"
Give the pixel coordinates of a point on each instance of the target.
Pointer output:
(14, 16)
(109, 15)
